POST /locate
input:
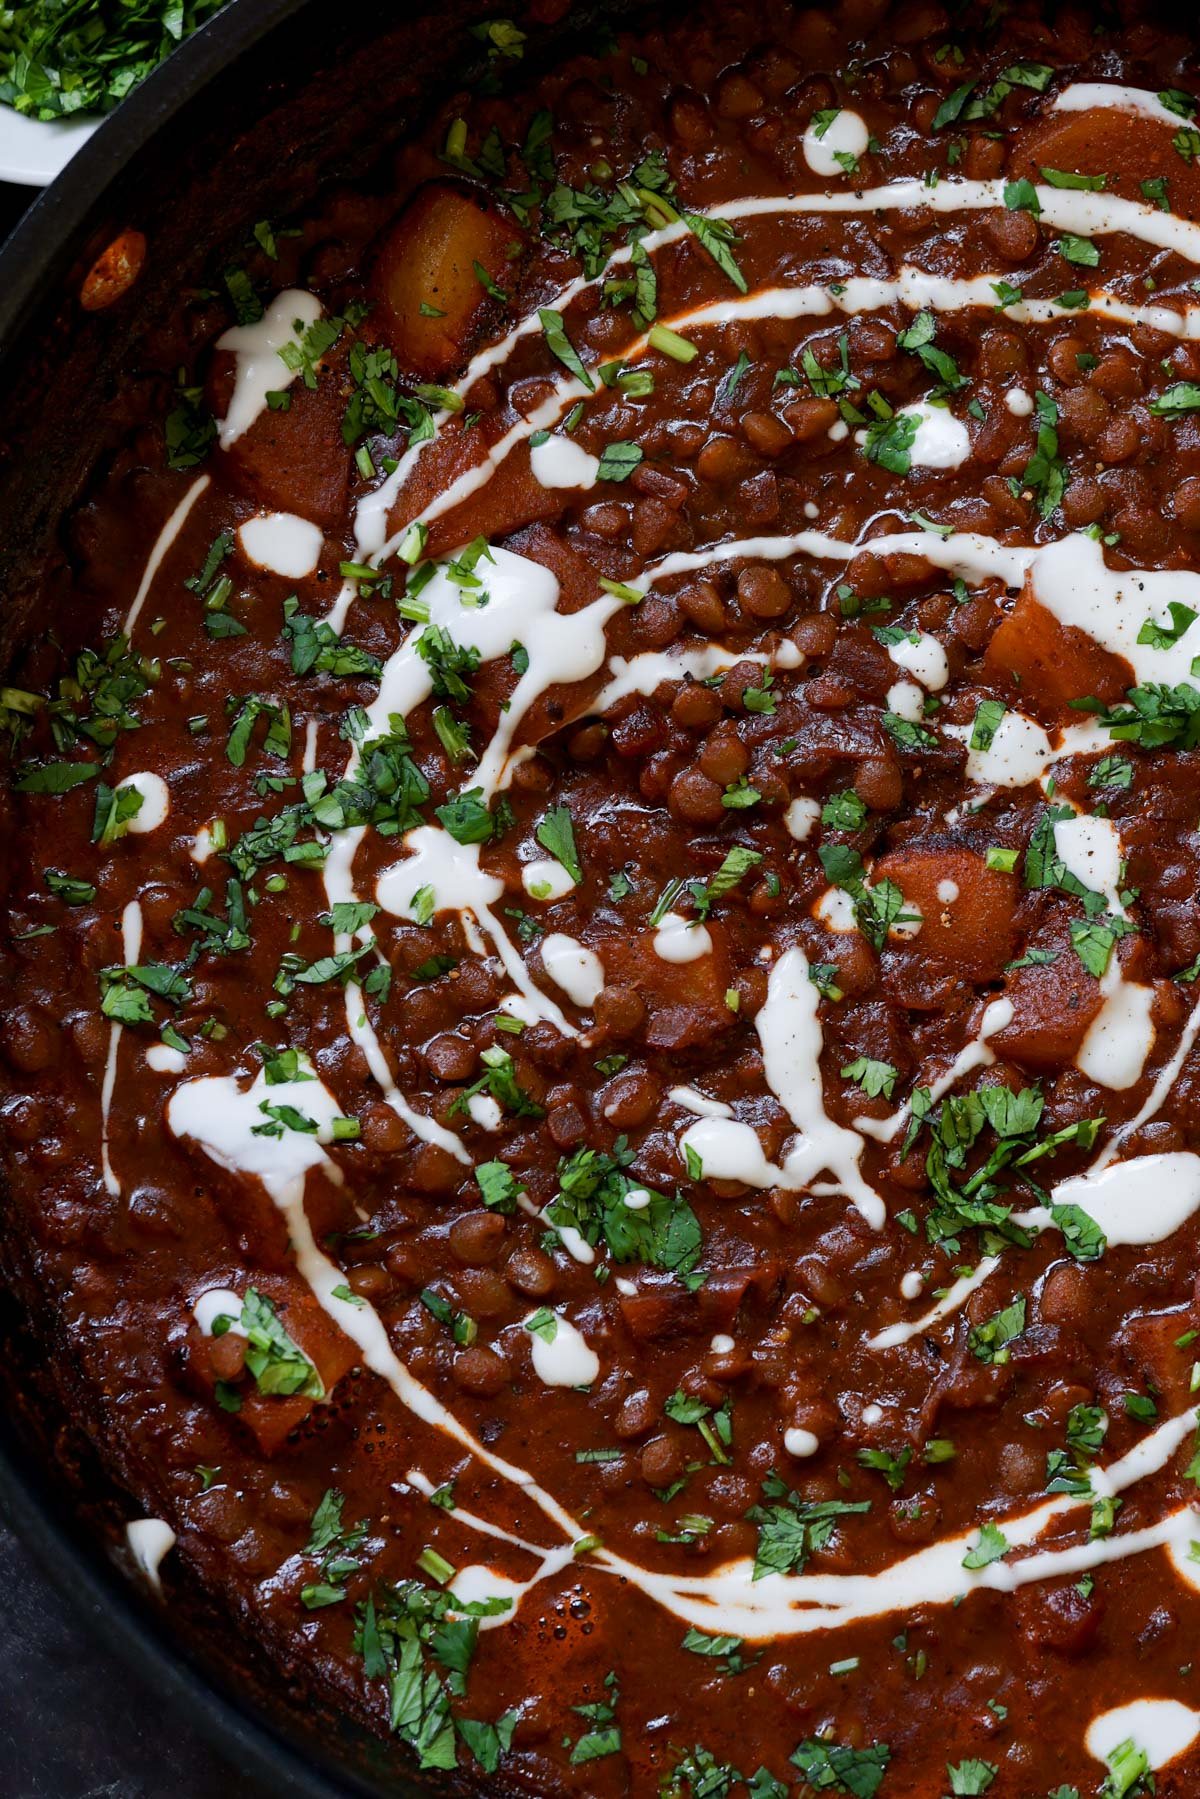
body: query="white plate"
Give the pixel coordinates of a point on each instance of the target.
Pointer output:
(33, 151)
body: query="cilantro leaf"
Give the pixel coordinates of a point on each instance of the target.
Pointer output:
(274, 1358)
(991, 1546)
(717, 236)
(556, 833)
(791, 1529)
(827, 1767)
(889, 441)
(989, 1341)
(1180, 397)
(560, 345)
(618, 461)
(877, 1079)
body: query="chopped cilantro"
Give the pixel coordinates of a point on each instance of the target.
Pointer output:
(838, 1768)
(560, 345)
(990, 1546)
(556, 833)
(990, 1341)
(877, 1079)
(791, 1529)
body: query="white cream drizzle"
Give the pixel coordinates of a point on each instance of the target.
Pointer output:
(571, 966)
(960, 553)
(1120, 1038)
(562, 1355)
(162, 544)
(573, 1241)
(485, 1111)
(1161, 1728)
(437, 864)
(680, 939)
(258, 367)
(835, 910)
(1019, 753)
(150, 1540)
(906, 700)
(1072, 580)
(560, 462)
(1103, 96)
(941, 441)
(925, 660)
(1141, 1201)
(919, 291)
(339, 886)
(1090, 849)
(789, 1030)
(1163, 1083)
(951, 1300)
(1138, 1202)
(978, 1053)
(222, 1116)
(372, 518)
(730, 1600)
(164, 1058)
(521, 606)
(219, 1302)
(131, 945)
(699, 1103)
(476, 1581)
(729, 1150)
(826, 139)
(1086, 214)
(801, 817)
(280, 543)
(156, 801)
(647, 671)
(546, 879)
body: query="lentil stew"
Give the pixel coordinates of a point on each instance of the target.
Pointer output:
(601, 932)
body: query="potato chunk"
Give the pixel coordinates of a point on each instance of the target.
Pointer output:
(1054, 663)
(290, 461)
(685, 1000)
(1150, 1346)
(271, 1418)
(507, 500)
(966, 906)
(1123, 147)
(427, 258)
(1054, 1004)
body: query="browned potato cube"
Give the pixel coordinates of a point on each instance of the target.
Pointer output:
(428, 258)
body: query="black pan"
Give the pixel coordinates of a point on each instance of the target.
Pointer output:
(270, 101)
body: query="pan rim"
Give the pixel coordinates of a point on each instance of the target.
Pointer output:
(33, 263)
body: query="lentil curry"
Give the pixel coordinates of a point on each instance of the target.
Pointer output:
(600, 982)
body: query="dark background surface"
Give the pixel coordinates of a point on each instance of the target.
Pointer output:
(75, 1722)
